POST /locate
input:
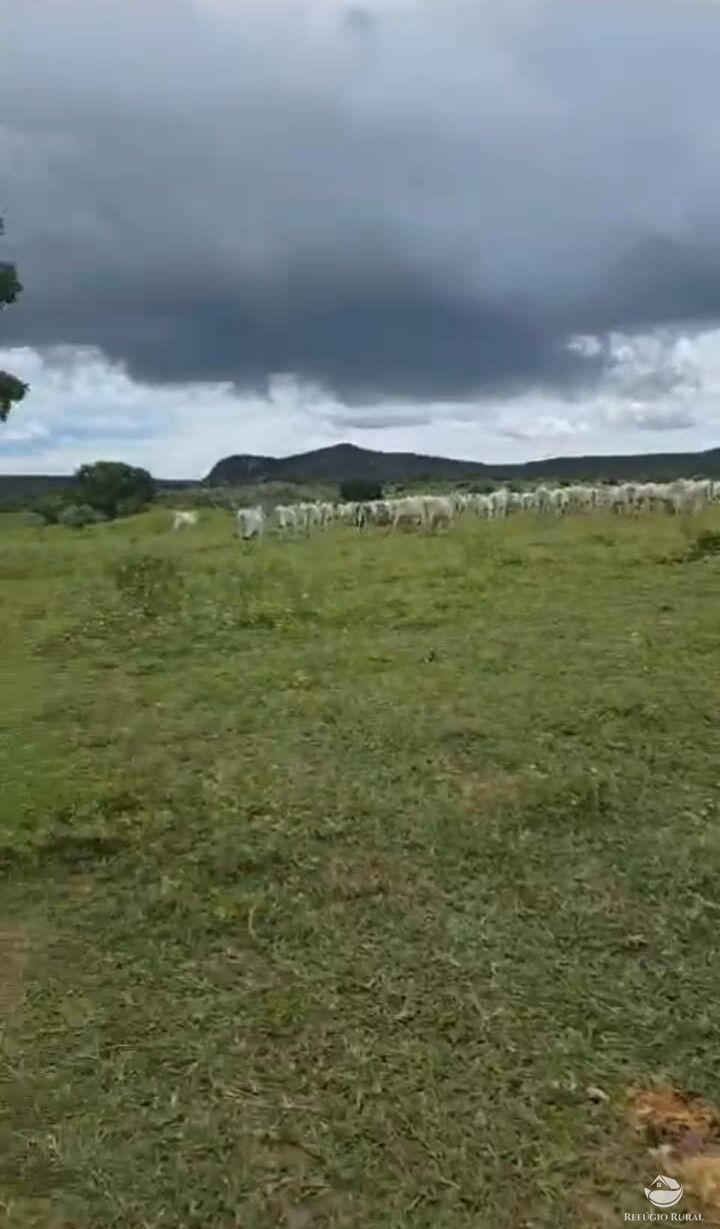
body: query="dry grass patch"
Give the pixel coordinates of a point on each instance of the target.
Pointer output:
(478, 790)
(14, 950)
(36, 1214)
(364, 875)
(679, 1120)
(282, 1152)
(312, 1208)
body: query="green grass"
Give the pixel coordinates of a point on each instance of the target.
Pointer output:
(333, 881)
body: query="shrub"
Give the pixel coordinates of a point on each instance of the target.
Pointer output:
(77, 515)
(358, 490)
(113, 488)
(705, 543)
(49, 509)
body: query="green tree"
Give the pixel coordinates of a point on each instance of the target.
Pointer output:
(113, 488)
(11, 389)
(358, 490)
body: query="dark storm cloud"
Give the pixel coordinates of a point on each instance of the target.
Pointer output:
(659, 279)
(393, 201)
(388, 338)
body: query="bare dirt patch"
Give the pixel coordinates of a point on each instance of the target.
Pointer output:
(665, 1116)
(684, 1132)
(661, 1130)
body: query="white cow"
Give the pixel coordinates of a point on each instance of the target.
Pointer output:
(382, 513)
(306, 516)
(499, 502)
(347, 512)
(181, 519)
(408, 511)
(374, 512)
(427, 511)
(362, 515)
(286, 516)
(250, 522)
(439, 510)
(481, 504)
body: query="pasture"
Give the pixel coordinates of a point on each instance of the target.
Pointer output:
(336, 870)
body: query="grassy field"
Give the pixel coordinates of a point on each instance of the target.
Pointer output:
(335, 871)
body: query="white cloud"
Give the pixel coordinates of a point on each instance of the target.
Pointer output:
(660, 392)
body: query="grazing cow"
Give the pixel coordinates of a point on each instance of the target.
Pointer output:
(439, 510)
(305, 516)
(382, 513)
(181, 519)
(427, 511)
(408, 511)
(543, 499)
(250, 522)
(481, 504)
(561, 500)
(499, 502)
(373, 512)
(347, 512)
(286, 517)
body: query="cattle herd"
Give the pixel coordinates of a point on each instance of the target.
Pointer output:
(429, 512)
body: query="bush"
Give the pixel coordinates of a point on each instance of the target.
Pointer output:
(131, 506)
(705, 543)
(113, 488)
(77, 515)
(49, 509)
(150, 585)
(31, 517)
(358, 490)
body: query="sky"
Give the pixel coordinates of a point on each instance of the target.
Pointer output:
(471, 228)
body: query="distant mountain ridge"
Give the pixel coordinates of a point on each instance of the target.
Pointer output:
(338, 463)
(342, 462)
